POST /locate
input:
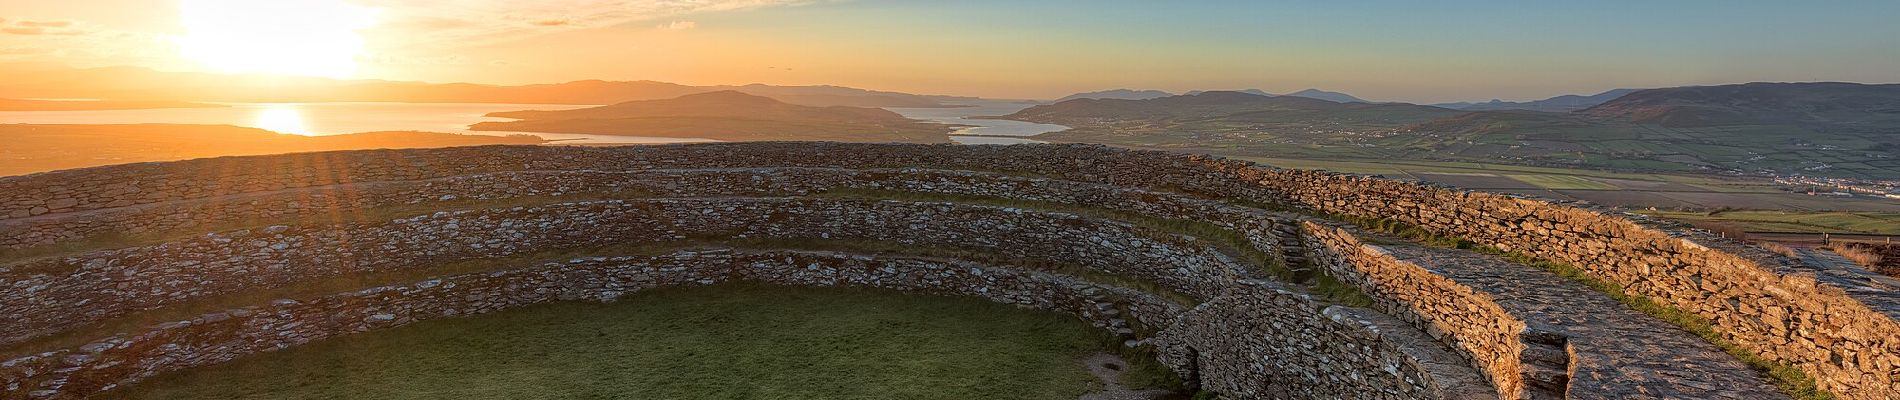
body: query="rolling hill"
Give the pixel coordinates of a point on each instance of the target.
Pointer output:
(1768, 129)
(1247, 91)
(1564, 103)
(94, 105)
(1123, 94)
(1826, 129)
(1220, 118)
(39, 148)
(140, 84)
(1822, 105)
(726, 115)
(1335, 97)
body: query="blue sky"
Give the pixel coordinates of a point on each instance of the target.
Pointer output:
(1405, 51)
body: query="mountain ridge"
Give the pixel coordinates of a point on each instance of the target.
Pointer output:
(141, 84)
(1562, 103)
(725, 115)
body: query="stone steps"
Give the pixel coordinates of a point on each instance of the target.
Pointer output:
(1613, 352)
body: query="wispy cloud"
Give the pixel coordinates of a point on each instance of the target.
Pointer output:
(31, 27)
(679, 25)
(478, 22)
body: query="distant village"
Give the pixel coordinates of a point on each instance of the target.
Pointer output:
(1824, 186)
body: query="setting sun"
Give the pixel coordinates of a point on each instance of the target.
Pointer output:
(281, 119)
(286, 37)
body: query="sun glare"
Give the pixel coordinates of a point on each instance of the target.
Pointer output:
(281, 120)
(281, 37)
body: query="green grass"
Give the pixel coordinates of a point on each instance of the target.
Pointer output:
(1405, 169)
(1563, 182)
(724, 342)
(1877, 223)
(1791, 380)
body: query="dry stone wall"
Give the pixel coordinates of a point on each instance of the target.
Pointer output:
(222, 336)
(147, 183)
(53, 295)
(1841, 331)
(1838, 327)
(1519, 365)
(1270, 233)
(1327, 344)
(1346, 353)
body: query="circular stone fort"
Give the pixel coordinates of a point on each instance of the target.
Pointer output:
(1245, 280)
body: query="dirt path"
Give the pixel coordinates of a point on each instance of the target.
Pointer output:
(1109, 368)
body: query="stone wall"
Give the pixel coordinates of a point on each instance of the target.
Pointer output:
(1840, 329)
(1268, 233)
(1522, 361)
(147, 183)
(1238, 346)
(222, 336)
(55, 294)
(1331, 352)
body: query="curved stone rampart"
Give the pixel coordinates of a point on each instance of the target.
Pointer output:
(1392, 371)
(146, 183)
(1840, 329)
(318, 203)
(67, 292)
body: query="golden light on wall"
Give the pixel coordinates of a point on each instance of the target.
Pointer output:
(281, 37)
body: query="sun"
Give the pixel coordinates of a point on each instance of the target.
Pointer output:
(281, 119)
(280, 37)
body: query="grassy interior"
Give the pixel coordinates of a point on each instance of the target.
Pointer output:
(727, 342)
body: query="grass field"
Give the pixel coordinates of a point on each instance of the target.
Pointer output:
(1563, 182)
(1620, 189)
(723, 342)
(1794, 221)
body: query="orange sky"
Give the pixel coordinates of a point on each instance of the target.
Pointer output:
(1460, 50)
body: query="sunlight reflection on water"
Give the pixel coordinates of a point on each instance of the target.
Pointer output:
(281, 119)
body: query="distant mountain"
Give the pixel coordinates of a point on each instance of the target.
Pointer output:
(726, 115)
(1829, 129)
(1564, 103)
(128, 83)
(95, 105)
(1335, 97)
(1819, 129)
(40, 148)
(1123, 94)
(1229, 114)
(1822, 105)
(1247, 91)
